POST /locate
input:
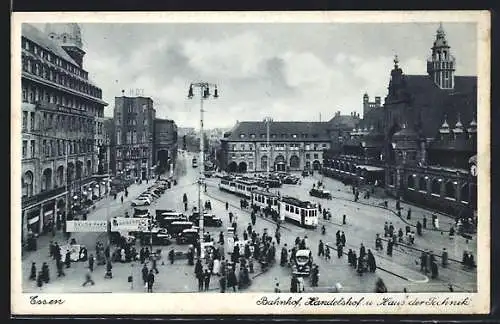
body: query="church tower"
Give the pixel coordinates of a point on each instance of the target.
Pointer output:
(69, 37)
(441, 64)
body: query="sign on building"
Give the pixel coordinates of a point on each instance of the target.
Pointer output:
(87, 226)
(122, 224)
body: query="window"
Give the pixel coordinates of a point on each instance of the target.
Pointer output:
(252, 135)
(25, 94)
(25, 120)
(308, 156)
(315, 155)
(287, 208)
(32, 149)
(242, 135)
(45, 148)
(250, 165)
(25, 148)
(242, 147)
(324, 145)
(273, 135)
(294, 135)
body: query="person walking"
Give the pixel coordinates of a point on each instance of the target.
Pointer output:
(145, 272)
(200, 276)
(121, 198)
(88, 279)
(33, 271)
(321, 249)
(372, 265)
(45, 272)
(327, 253)
(342, 239)
(171, 256)
(39, 279)
(206, 278)
(109, 267)
(227, 205)
(151, 281)
(423, 262)
(444, 258)
(60, 271)
(91, 263)
(344, 220)
(67, 259)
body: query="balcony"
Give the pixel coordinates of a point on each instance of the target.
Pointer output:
(25, 201)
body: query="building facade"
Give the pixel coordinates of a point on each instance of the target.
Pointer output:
(165, 145)
(134, 130)
(419, 145)
(292, 146)
(62, 130)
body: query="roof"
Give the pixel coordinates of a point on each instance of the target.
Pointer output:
(37, 36)
(343, 121)
(316, 131)
(265, 193)
(433, 103)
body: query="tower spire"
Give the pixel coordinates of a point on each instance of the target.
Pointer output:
(441, 64)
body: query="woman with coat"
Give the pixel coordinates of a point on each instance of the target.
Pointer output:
(33, 271)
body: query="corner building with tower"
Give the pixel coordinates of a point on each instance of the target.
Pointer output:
(62, 127)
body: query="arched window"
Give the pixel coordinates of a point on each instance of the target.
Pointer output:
(47, 179)
(263, 162)
(411, 182)
(422, 184)
(294, 162)
(436, 186)
(450, 190)
(27, 184)
(60, 176)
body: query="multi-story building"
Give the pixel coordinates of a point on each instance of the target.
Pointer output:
(292, 146)
(421, 144)
(62, 112)
(165, 145)
(133, 130)
(107, 158)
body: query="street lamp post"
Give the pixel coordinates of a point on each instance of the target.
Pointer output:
(204, 94)
(268, 121)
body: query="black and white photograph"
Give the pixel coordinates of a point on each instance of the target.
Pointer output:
(276, 164)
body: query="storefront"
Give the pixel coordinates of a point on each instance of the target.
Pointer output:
(48, 212)
(33, 220)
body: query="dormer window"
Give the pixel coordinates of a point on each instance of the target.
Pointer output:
(273, 135)
(262, 135)
(283, 135)
(252, 135)
(242, 135)
(294, 135)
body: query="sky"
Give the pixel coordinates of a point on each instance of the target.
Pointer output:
(287, 71)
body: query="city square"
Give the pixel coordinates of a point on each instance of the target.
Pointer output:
(378, 197)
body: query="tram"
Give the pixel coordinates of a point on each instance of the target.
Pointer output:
(300, 212)
(240, 187)
(267, 202)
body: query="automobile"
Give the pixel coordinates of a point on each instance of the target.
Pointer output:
(138, 212)
(159, 235)
(209, 174)
(141, 201)
(188, 236)
(148, 196)
(305, 173)
(150, 193)
(209, 220)
(290, 180)
(320, 193)
(302, 263)
(177, 227)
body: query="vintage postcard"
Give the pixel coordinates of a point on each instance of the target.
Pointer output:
(250, 163)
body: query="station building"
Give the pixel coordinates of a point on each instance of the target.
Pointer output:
(421, 144)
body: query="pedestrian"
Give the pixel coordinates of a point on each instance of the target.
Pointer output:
(154, 266)
(121, 198)
(327, 253)
(45, 272)
(362, 251)
(206, 278)
(171, 256)
(434, 270)
(151, 281)
(342, 238)
(39, 279)
(408, 216)
(60, 271)
(142, 256)
(231, 280)
(419, 228)
(372, 266)
(380, 286)
(386, 229)
(343, 220)
(33, 271)
(227, 205)
(67, 259)
(109, 267)
(390, 245)
(444, 258)
(340, 250)
(354, 260)
(88, 279)
(277, 288)
(294, 284)
(321, 249)
(51, 250)
(145, 272)
(424, 222)
(91, 263)
(423, 262)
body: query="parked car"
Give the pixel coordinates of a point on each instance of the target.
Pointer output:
(290, 180)
(177, 227)
(320, 193)
(188, 236)
(141, 212)
(141, 201)
(302, 263)
(209, 220)
(160, 237)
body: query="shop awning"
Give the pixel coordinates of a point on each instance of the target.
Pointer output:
(370, 168)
